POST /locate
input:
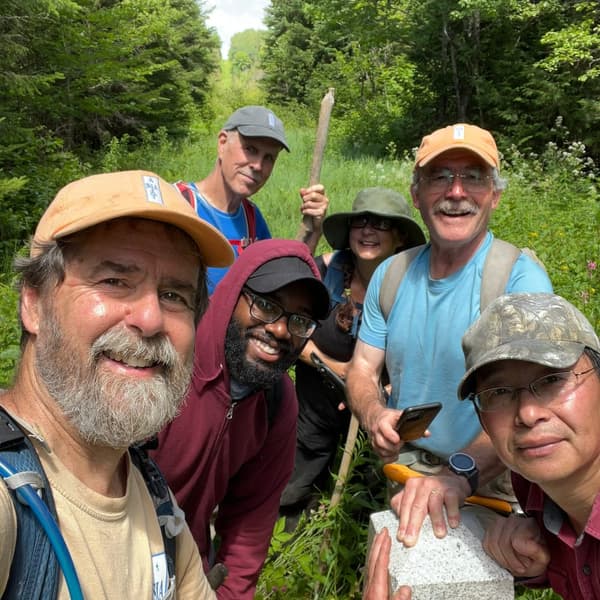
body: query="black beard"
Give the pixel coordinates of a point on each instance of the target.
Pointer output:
(258, 373)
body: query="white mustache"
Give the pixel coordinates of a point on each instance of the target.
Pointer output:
(157, 350)
(450, 207)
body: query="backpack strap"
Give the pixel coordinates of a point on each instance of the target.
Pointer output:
(187, 192)
(333, 274)
(393, 277)
(34, 573)
(250, 212)
(497, 268)
(170, 517)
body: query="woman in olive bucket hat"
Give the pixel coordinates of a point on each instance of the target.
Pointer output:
(379, 225)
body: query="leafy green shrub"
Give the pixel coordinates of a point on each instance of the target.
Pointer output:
(553, 206)
(9, 334)
(323, 557)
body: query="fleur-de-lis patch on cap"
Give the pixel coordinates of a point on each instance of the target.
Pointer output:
(152, 189)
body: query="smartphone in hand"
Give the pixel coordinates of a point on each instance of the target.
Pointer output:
(415, 420)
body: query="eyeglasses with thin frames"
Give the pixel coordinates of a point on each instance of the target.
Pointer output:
(376, 222)
(268, 311)
(473, 181)
(546, 389)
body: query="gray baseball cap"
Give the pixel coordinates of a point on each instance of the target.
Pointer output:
(538, 328)
(257, 121)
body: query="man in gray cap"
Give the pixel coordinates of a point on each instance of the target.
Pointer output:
(533, 375)
(247, 148)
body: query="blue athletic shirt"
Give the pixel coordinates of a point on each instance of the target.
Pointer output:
(233, 226)
(428, 318)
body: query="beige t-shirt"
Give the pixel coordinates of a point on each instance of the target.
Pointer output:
(115, 543)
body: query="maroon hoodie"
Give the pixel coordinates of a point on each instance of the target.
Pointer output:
(218, 454)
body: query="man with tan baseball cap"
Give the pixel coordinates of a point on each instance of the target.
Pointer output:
(440, 292)
(109, 298)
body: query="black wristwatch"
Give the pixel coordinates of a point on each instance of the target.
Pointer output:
(464, 465)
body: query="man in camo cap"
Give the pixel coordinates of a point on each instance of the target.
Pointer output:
(533, 374)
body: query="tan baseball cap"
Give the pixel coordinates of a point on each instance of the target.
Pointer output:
(461, 135)
(100, 198)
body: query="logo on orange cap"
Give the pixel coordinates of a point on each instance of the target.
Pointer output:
(461, 135)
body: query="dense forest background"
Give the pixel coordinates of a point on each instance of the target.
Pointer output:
(78, 75)
(99, 85)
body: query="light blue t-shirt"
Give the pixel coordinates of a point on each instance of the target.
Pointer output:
(233, 226)
(422, 338)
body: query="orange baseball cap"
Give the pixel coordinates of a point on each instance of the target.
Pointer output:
(461, 135)
(100, 198)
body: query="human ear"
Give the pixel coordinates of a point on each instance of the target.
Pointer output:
(30, 309)
(221, 143)
(496, 199)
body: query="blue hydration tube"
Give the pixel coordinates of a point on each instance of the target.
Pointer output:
(29, 496)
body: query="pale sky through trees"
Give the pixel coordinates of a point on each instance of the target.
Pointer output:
(232, 16)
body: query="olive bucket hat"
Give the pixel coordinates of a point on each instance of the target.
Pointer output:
(379, 201)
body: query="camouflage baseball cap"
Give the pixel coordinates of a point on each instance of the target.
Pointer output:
(539, 328)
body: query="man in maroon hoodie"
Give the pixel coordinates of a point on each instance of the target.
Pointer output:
(233, 444)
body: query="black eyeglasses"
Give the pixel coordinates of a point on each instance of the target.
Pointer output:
(379, 223)
(267, 311)
(546, 389)
(472, 180)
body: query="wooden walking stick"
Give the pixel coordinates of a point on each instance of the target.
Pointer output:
(339, 487)
(337, 384)
(345, 464)
(321, 139)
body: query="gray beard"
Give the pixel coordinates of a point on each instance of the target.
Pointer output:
(106, 409)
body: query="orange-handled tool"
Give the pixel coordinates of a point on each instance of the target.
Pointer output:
(401, 473)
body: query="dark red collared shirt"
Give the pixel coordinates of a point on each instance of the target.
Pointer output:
(574, 568)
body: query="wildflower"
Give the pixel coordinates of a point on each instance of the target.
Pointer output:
(591, 266)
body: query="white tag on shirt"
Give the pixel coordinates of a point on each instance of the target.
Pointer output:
(161, 586)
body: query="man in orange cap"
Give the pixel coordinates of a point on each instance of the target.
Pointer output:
(109, 298)
(456, 187)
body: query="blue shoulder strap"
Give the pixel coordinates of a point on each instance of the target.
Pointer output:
(34, 573)
(34, 570)
(334, 276)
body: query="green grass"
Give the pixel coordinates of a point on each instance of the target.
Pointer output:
(552, 205)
